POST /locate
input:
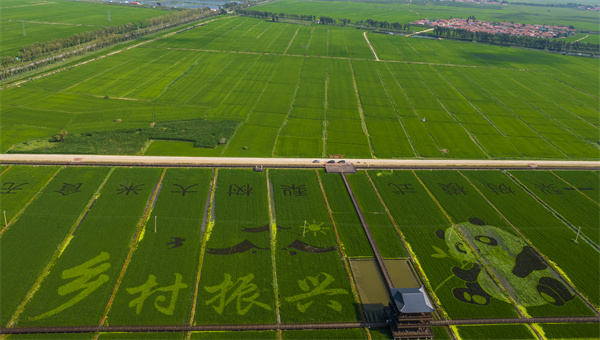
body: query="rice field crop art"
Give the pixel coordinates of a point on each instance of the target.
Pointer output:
(515, 264)
(582, 213)
(77, 289)
(456, 279)
(544, 231)
(159, 285)
(312, 278)
(236, 278)
(18, 185)
(582, 180)
(37, 236)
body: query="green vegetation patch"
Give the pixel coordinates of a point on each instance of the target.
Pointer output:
(571, 331)
(496, 332)
(204, 133)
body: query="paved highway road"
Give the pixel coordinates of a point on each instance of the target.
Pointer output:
(289, 162)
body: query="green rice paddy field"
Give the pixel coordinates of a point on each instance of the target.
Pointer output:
(312, 91)
(44, 20)
(127, 246)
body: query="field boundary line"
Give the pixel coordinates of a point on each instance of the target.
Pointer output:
(412, 106)
(361, 112)
(494, 98)
(151, 79)
(208, 81)
(52, 70)
(341, 250)
(562, 107)
(554, 266)
(569, 85)
(273, 235)
(371, 46)
(408, 137)
(59, 250)
(5, 170)
(412, 255)
(568, 183)
(327, 54)
(206, 234)
(479, 259)
(324, 133)
(132, 246)
(287, 116)
(502, 133)
(253, 106)
(469, 133)
(36, 195)
(554, 212)
(412, 147)
(553, 119)
(234, 86)
(291, 41)
(309, 40)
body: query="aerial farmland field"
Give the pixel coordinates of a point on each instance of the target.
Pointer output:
(208, 229)
(423, 98)
(309, 248)
(25, 22)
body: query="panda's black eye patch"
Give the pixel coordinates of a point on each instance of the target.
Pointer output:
(459, 247)
(486, 240)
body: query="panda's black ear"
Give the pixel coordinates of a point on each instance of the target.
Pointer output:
(476, 221)
(440, 233)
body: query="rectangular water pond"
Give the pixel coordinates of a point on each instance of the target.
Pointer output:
(371, 286)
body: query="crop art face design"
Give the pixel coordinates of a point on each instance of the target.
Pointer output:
(517, 266)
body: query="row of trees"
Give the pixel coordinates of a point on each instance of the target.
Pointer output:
(516, 40)
(41, 54)
(324, 20)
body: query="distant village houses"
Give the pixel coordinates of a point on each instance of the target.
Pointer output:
(528, 30)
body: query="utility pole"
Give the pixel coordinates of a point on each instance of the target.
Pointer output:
(109, 16)
(5, 223)
(304, 231)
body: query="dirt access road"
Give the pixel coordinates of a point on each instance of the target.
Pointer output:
(288, 162)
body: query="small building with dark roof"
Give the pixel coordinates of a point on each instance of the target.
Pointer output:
(412, 300)
(411, 313)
